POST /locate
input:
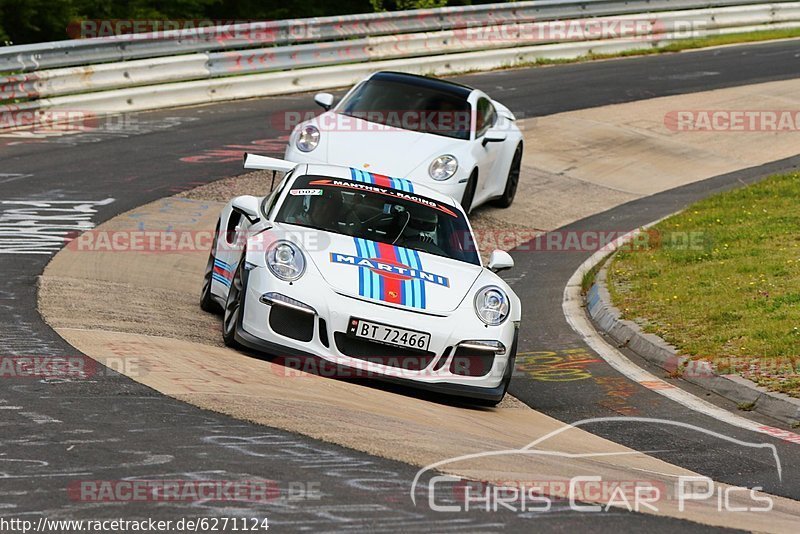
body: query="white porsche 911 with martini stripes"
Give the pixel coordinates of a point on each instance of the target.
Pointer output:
(368, 272)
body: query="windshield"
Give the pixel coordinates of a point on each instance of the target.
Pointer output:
(379, 213)
(410, 107)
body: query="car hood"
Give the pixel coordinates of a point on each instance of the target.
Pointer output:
(378, 148)
(394, 275)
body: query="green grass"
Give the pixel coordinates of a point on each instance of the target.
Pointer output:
(588, 278)
(722, 282)
(732, 38)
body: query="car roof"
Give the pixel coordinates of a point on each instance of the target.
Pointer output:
(452, 88)
(346, 173)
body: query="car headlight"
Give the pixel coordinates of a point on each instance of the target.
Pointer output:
(308, 138)
(443, 167)
(492, 305)
(286, 261)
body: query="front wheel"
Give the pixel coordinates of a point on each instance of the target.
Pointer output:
(233, 307)
(512, 181)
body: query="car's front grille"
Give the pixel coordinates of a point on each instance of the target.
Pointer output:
(471, 362)
(442, 359)
(410, 360)
(291, 323)
(323, 332)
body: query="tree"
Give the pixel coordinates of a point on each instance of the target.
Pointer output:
(397, 5)
(30, 21)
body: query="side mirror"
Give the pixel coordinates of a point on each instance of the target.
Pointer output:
(325, 100)
(493, 137)
(247, 205)
(500, 260)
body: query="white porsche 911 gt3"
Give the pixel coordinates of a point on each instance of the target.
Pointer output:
(368, 272)
(449, 137)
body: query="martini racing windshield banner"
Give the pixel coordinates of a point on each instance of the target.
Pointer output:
(384, 190)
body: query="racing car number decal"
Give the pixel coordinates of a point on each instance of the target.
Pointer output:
(390, 273)
(305, 192)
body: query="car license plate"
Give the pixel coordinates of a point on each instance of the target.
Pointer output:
(390, 335)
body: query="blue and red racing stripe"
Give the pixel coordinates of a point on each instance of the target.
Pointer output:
(384, 181)
(222, 272)
(390, 287)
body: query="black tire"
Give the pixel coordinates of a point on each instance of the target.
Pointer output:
(207, 301)
(234, 306)
(512, 181)
(469, 192)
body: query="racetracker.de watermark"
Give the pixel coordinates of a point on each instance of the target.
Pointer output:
(76, 367)
(590, 29)
(747, 366)
(179, 241)
(66, 120)
(465, 29)
(442, 122)
(221, 29)
(738, 120)
(183, 241)
(581, 240)
(401, 364)
(173, 490)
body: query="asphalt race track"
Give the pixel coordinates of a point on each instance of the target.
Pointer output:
(54, 431)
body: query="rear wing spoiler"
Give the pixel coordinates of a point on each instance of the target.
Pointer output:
(254, 161)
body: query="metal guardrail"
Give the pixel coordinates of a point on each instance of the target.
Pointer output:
(479, 37)
(278, 33)
(453, 41)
